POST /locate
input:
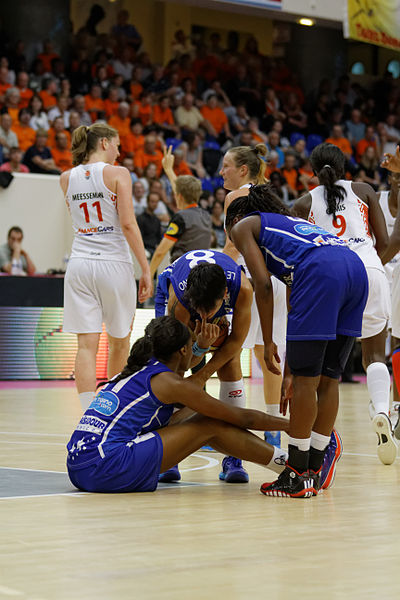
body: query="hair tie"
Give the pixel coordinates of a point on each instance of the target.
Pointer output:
(328, 166)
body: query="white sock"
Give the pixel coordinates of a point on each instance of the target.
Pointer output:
(273, 410)
(302, 444)
(319, 441)
(86, 399)
(278, 460)
(378, 383)
(232, 392)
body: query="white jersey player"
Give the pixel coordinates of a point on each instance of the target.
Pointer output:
(100, 283)
(242, 167)
(352, 211)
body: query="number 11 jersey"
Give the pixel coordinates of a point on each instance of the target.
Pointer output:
(351, 223)
(93, 209)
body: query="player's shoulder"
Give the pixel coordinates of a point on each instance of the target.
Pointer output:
(64, 179)
(233, 194)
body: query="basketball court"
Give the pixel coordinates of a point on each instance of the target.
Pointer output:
(198, 539)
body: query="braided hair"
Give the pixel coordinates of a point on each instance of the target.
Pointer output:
(261, 198)
(162, 337)
(328, 163)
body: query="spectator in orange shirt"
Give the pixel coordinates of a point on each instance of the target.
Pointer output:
(11, 102)
(4, 84)
(368, 140)
(149, 154)
(57, 127)
(216, 119)
(144, 109)
(121, 121)
(307, 177)
(25, 134)
(61, 153)
(180, 165)
(134, 141)
(24, 91)
(47, 55)
(48, 94)
(111, 103)
(135, 86)
(163, 117)
(337, 139)
(94, 103)
(291, 174)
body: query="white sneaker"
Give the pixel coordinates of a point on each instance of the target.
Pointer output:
(387, 447)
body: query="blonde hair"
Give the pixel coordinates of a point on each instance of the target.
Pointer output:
(85, 140)
(253, 159)
(189, 188)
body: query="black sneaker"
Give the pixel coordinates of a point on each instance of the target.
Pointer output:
(290, 484)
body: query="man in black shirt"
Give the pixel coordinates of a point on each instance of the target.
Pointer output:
(149, 224)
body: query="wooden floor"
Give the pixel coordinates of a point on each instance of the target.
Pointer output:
(204, 541)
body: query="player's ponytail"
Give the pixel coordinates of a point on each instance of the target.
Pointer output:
(253, 158)
(261, 198)
(162, 337)
(85, 140)
(328, 163)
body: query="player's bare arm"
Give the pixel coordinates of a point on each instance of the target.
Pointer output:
(375, 215)
(170, 388)
(301, 208)
(244, 235)
(233, 343)
(118, 180)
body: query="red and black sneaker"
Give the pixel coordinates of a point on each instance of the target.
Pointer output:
(290, 484)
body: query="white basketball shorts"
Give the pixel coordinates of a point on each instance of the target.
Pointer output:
(377, 310)
(254, 336)
(96, 292)
(396, 302)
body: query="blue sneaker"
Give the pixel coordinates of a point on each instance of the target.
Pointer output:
(273, 438)
(170, 475)
(333, 453)
(233, 471)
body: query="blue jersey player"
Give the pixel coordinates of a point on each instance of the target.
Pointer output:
(122, 442)
(205, 285)
(328, 291)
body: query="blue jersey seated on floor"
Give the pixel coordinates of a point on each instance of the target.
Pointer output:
(119, 413)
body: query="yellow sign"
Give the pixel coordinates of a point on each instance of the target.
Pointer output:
(374, 21)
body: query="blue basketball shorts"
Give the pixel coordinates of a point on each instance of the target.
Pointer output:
(132, 467)
(329, 293)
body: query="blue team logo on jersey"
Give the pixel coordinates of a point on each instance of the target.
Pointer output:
(309, 229)
(105, 403)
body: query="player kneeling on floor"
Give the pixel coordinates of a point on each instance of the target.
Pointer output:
(207, 285)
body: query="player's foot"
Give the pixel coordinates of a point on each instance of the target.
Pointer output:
(396, 429)
(273, 438)
(387, 447)
(333, 454)
(291, 484)
(233, 471)
(170, 475)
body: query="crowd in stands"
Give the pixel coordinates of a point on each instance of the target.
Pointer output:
(206, 99)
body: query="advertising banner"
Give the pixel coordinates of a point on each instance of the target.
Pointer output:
(373, 21)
